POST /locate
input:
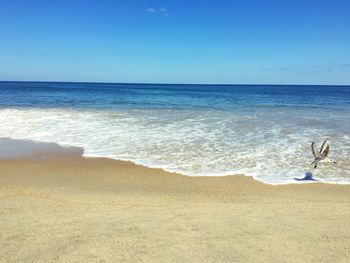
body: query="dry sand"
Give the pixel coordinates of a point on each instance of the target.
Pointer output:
(100, 210)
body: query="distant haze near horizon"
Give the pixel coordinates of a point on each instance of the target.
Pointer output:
(176, 42)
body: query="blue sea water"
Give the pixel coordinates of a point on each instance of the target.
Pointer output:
(264, 131)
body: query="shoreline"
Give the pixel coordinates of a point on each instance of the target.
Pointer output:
(296, 181)
(37, 149)
(78, 160)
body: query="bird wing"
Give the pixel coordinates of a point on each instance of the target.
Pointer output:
(325, 148)
(314, 150)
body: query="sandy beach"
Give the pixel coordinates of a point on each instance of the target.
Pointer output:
(75, 209)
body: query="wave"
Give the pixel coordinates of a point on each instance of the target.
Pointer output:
(272, 147)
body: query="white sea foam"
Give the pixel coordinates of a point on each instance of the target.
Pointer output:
(272, 146)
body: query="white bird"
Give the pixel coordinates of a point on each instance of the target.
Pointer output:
(322, 155)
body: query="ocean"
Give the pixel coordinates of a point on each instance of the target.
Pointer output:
(263, 131)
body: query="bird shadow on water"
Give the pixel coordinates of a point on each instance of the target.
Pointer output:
(308, 177)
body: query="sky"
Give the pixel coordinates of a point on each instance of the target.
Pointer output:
(162, 41)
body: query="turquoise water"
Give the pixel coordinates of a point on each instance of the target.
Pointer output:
(264, 131)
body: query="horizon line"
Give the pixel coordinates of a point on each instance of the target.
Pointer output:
(167, 83)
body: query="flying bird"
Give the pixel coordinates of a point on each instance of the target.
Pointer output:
(322, 155)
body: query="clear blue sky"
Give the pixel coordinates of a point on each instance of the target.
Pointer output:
(221, 41)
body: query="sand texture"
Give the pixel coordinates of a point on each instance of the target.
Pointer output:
(101, 210)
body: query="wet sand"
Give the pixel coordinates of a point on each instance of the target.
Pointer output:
(75, 209)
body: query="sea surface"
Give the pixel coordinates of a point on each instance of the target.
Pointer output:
(264, 131)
